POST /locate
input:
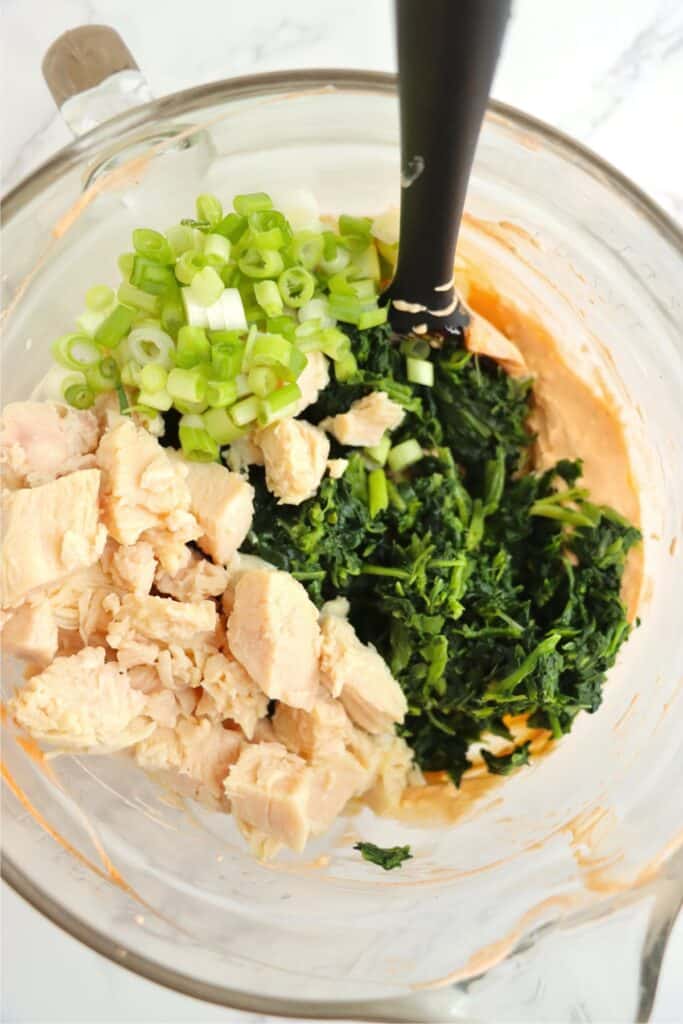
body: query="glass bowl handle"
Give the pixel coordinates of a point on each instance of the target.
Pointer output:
(93, 76)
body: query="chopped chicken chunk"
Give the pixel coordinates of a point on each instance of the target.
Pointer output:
(133, 567)
(393, 771)
(40, 441)
(295, 455)
(48, 532)
(143, 490)
(273, 631)
(483, 339)
(337, 467)
(314, 378)
(275, 794)
(357, 673)
(364, 425)
(83, 703)
(196, 581)
(269, 790)
(162, 620)
(323, 730)
(194, 758)
(230, 692)
(31, 634)
(244, 452)
(223, 503)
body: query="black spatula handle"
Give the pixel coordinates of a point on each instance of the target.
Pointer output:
(447, 53)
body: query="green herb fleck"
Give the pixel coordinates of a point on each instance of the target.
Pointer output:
(505, 764)
(388, 857)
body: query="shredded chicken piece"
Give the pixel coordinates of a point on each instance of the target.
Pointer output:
(223, 503)
(196, 581)
(314, 378)
(359, 675)
(366, 422)
(273, 632)
(40, 441)
(48, 532)
(83, 703)
(230, 692)
(31, 634)
(193, 759)
(145, 492)
(133, 567)
(295, 455)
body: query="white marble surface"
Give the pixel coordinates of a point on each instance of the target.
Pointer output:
(610, 73)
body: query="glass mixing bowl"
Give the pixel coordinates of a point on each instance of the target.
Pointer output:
(552, 895)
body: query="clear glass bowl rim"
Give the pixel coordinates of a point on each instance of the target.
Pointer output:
(85, 148)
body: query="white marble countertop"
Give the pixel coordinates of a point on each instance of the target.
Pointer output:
(609, 73)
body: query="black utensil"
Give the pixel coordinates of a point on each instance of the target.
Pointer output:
(447, 54)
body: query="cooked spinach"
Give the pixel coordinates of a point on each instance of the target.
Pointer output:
(490, 591)
(388, 857)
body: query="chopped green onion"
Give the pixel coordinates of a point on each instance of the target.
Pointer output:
(297, 364)
(283, 325)
(221, 426)
(79, 396)
(159, 400)
(117, 324)
(125, 263)
(297, 286)
(268, 297)
(252, 202)
(226, 358)
(132, 296)
(378, 494)
(359, 227)
(99, 298)
(76, 352)
(130, 374)
(180, 238)
(232, 227)
(186, 385)
(152, 245)
(345, 307)
(416, 348)
(216, 250)
(192, 347)
(242, 383)
(151, 276)
(279, 403)
(261, 263)
(153, 377)
(196, 442)
(337, 262)
(220, 393)
(172, 312)
(345, 367)
(334, 343)
(364, 290)
(378, 453)
(269, 229)
(270, 350)
(307, 248)
(206, 287)
(317, 309)
(189, 265)
(373, 317)
(366, 264)
(190, 408)
(404, 454)
(339, 284)
(104, 376)
(262, 380)
(89, 321)
(149, 344)
(245, 411)
(420, 371)
(209, 209)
